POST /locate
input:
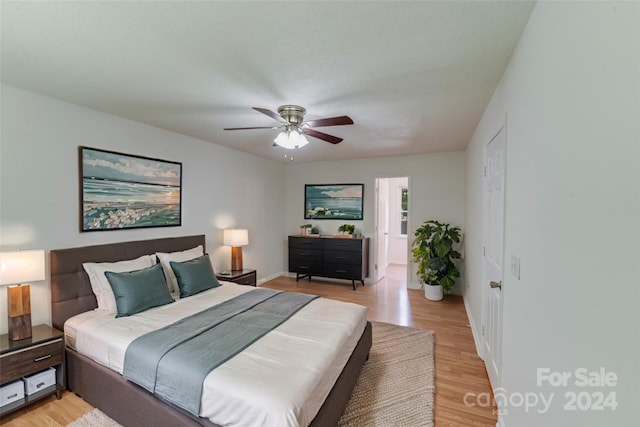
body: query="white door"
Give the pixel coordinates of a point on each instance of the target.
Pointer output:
(494, 254)
(382, 226)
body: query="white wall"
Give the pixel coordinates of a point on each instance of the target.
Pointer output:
(436, 188)
(222, 188)
(571, 95)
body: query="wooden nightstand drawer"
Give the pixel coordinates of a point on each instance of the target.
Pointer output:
(247, 280)
(20, 363)
(239, 277)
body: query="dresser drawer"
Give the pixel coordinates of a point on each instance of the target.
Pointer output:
(302, 267)
(340, 257)
(341, 271)
(351, 245)
(305, 242)
(20, 363)
(304, 255)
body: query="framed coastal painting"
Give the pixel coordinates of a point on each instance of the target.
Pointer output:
(333, 201)
(120, 190)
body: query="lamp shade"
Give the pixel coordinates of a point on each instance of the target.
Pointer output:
(236, 237)
(21, 267)
(291, 139)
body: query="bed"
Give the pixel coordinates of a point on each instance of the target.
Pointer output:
(124, 401)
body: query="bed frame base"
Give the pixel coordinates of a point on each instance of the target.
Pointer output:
(123, 401)
(131, 405)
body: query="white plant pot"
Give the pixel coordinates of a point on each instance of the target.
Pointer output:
(433, 293)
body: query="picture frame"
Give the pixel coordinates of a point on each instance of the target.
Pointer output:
(123, 191)
(333, 201)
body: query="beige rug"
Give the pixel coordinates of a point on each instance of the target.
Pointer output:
(395, 388)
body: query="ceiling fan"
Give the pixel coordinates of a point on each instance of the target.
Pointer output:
(294, 128)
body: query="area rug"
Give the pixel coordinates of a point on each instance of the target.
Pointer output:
(396, 385)
(395, 388)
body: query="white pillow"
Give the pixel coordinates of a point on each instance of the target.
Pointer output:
(100, 284)
(181, 256)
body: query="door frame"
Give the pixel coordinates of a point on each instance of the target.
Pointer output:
(377, 233)
(375, 277)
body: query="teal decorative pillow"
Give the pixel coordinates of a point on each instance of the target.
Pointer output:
(139, 290)
(194, 276)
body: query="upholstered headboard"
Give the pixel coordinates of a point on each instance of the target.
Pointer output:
(71, 292)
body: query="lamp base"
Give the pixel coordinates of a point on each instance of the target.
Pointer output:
(19, 309)
(20, 327)
(236, 258)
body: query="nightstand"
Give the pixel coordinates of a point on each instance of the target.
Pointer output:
(241, 277)
(26, 357)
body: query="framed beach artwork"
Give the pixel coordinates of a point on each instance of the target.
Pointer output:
(333, 201)
(125, 191)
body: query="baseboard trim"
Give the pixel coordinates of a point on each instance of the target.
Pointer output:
(270, 277)
(474, 330)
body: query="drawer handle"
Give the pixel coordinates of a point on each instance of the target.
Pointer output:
(342, 257)
(303, 267)
(12, 396)
(305, 254)
(39, 359)
(341, 271)
(305, 243)
(39, 385)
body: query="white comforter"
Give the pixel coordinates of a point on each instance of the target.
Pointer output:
(280, 380)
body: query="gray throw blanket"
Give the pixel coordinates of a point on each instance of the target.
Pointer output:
(172, 362)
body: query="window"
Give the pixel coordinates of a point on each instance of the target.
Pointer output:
(404, 203)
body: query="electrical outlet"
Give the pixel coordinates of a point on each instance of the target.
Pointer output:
(515, 266)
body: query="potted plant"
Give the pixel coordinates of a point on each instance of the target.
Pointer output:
(347, 229)
(435, 255)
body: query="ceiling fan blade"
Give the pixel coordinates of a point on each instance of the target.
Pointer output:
(332, 121)
(257, 127)
(271, 114)
(323, 136)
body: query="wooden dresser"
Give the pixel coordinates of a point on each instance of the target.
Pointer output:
(329, 257)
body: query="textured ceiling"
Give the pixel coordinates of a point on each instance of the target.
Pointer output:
(414, 76)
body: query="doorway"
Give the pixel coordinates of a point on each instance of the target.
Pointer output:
(391, 243)
(494, 186)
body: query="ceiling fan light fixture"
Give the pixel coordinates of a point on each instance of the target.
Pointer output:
(294, 128)
(291, 139)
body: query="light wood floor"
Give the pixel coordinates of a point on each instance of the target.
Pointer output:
(459, 370)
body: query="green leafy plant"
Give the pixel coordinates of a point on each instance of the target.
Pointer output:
(315, 230)
(434, 253)
(347, 228)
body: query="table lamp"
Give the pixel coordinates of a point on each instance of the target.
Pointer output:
(236, 238)
(17, 268)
